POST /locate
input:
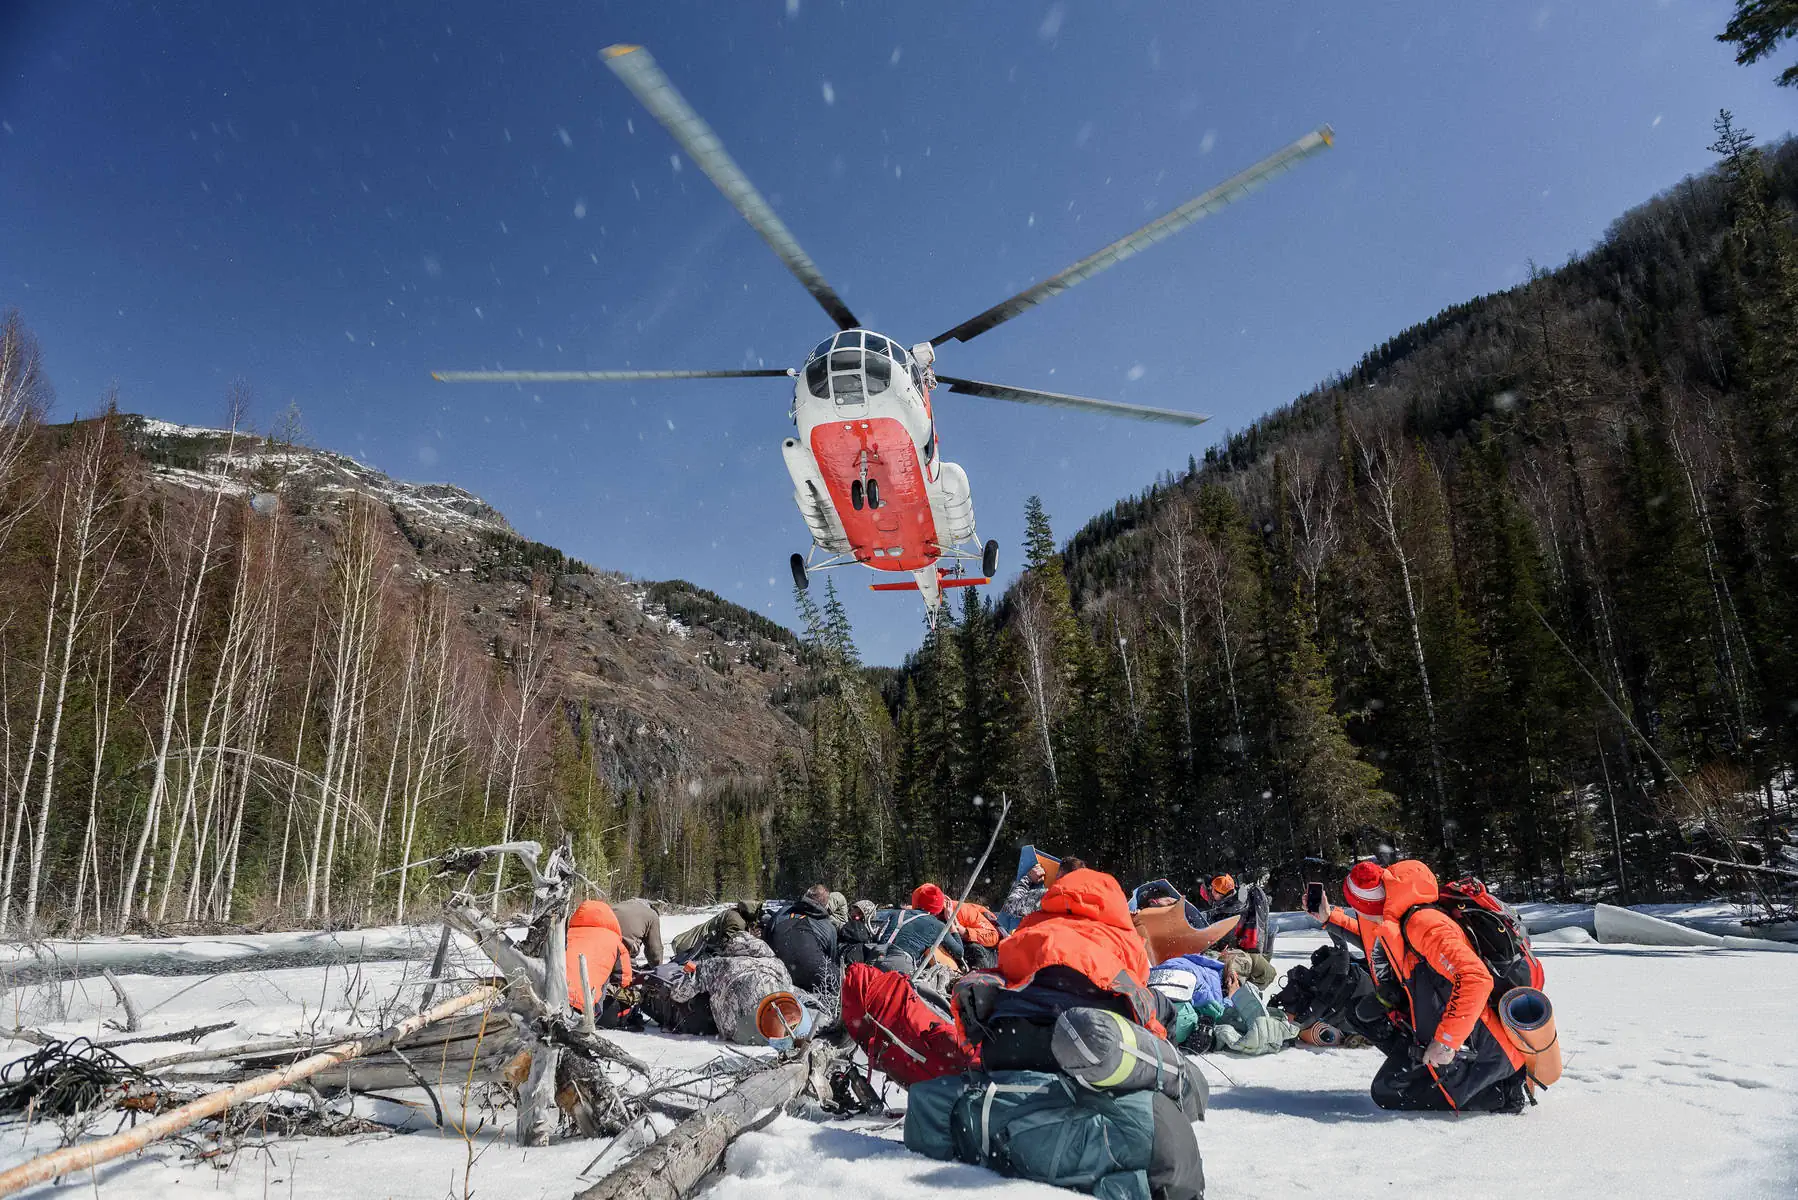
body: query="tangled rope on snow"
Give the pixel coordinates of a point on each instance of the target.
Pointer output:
(68, 1078)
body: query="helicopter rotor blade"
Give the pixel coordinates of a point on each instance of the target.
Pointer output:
(1110, 408)
(1164, 226)
(657, 92)
(595, 376)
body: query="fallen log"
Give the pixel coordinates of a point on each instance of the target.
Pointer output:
(678, 1161)
(473, 1047)
(88, 1154)
(36, 962)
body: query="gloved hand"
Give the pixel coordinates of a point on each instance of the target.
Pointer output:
(1437, 1055)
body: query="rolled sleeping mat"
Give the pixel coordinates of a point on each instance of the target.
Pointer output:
(1529, 1019)
(1107, 1051)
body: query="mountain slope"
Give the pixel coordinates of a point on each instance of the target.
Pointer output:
(680, 681)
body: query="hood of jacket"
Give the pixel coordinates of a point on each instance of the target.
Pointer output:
(805, 906)
(1089, 895)
(1408, 884)
(594, 914)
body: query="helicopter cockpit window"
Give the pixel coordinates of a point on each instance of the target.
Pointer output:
(847, 385)
(878, 344)
(820, 350)
(845, 360)
(817, 379)
(880, 373)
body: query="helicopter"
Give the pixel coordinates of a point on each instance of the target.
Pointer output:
(867, 471)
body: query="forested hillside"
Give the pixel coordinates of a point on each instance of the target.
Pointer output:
(242, 680)
(1519, 593)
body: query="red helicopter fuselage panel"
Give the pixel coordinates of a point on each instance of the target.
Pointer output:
(901, 534)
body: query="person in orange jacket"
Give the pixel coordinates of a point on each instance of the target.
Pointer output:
(593, 932)
(1079, 949)
(974, 922)
(1457, 1057)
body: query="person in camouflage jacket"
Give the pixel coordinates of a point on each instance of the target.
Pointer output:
(735, 981)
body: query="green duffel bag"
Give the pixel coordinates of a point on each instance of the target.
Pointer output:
(1038, 1126)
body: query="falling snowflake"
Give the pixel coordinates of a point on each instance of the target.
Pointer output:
(830, 93)
(1208, 141)
(563, 135)
(580, 209)
(1135, 373)
(1052, 20)
(674, 161)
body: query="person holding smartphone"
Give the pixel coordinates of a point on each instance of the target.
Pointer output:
(1426, 970)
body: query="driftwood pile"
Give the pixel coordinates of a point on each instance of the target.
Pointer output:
(516, 1029)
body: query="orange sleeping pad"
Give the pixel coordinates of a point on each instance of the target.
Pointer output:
(1168, 935)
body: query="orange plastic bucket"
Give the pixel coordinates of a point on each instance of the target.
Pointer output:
(778, 1016)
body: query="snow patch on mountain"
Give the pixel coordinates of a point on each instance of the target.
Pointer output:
(249, 465)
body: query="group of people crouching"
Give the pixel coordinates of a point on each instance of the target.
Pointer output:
(1045, 1039)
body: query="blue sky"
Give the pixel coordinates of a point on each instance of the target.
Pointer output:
(332, 199)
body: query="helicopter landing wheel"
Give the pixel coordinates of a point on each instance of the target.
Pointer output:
(989, 559)
(800, 578)
(855, 494)
(873, 490)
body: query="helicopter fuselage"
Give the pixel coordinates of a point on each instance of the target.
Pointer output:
(867, 471)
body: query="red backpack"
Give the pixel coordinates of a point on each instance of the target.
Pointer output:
(903, 1037)
(1495, 931)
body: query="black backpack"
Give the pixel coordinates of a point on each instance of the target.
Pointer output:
(1493, 928)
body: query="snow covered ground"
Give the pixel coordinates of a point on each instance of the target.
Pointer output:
(1681, 1073)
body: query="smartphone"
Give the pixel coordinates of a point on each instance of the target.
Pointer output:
(1314, 897)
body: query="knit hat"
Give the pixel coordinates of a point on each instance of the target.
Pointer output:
(1223, 885)
(838, 908)
(1365, 889)
(929, 898)
(864, 909)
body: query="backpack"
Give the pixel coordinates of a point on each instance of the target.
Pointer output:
(656, 1001)
(903, 1037)
(1039, 1126)
(1495, 931)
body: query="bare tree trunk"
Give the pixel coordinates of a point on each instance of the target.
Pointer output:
(402, 733)
(16, 839)
(1214, 573)
(1383, 470)
(191, 575)
(1175, 586)
(356, 570)
(529, 669)
(1039, 681)
(299, 744)
(438, 651)
(90, 842)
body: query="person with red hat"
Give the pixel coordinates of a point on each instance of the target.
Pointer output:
(971, 923)
(914, 930)
(1429, 974)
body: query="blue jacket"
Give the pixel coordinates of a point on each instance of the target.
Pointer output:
(912, 931)
(1207, 975)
